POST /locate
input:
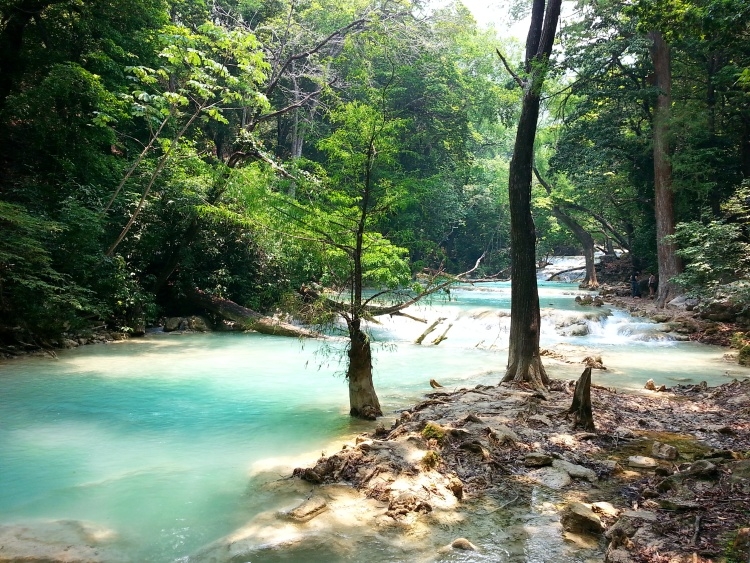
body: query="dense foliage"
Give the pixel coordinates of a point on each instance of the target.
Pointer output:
(152, 147)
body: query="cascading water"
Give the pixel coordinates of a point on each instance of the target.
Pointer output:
(154, 441)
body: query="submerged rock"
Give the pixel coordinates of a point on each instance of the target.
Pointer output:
(58, 541)
(463, 543)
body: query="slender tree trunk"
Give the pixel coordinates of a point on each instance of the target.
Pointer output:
(524, 361)
(586, 240)
(669, 263)
(363, 401)
(583, 236)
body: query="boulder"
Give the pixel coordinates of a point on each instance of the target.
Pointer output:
(578, 517)
(197, 324)
(172, 323)
(463, 543)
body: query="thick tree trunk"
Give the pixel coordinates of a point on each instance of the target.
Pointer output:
(524, 361)
(669, 263)
(363, 401)
(247, 318)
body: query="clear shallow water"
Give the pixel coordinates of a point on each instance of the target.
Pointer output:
(156, 439)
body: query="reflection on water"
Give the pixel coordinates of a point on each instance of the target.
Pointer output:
(156, 438)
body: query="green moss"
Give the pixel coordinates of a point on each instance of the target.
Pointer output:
(744, 356)
(433, 431)
(431, 460)
(739, 340)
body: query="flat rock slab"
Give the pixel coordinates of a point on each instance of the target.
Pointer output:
(642, 462)
(550, 477)
(308, 510)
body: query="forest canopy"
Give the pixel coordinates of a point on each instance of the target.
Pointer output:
(152, 149)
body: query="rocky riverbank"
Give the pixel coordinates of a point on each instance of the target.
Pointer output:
(664, 477)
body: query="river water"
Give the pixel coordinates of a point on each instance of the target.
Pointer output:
(157, 439)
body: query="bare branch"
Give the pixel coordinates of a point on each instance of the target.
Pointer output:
(517, 78)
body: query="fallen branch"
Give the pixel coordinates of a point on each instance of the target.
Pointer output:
(443, 336)
(429, 329)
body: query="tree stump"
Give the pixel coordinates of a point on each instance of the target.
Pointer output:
(581, 406)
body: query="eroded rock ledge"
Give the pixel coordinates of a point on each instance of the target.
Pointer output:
(663, 478)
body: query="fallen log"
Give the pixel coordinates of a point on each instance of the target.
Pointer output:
(247, 318)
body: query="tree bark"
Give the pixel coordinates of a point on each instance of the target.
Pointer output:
(580, 408)
(247, 318)
(524, 360)
(363, 401)
(668, 262)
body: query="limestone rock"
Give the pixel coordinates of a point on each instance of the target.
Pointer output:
(678, 504)
(594, 362)
(577, 517)
(550, 477)
(575, 470)
(308, 510)
(463, 543)
(172, 323)
(197, 324)
(641, 462)
(664, 451)
(605, 508)
(405, 503)
(646, 515)
(703, 469)
(502, 435)
(456, 487)
(650, 385)
(537, 459)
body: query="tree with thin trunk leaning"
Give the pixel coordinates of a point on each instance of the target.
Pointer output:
(524, 361)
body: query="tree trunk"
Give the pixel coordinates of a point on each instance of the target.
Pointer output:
(247, 318)
(669, 263)
(580, 408)
(583, 236)
(524, 361)
(363, 401)
(586, 240)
